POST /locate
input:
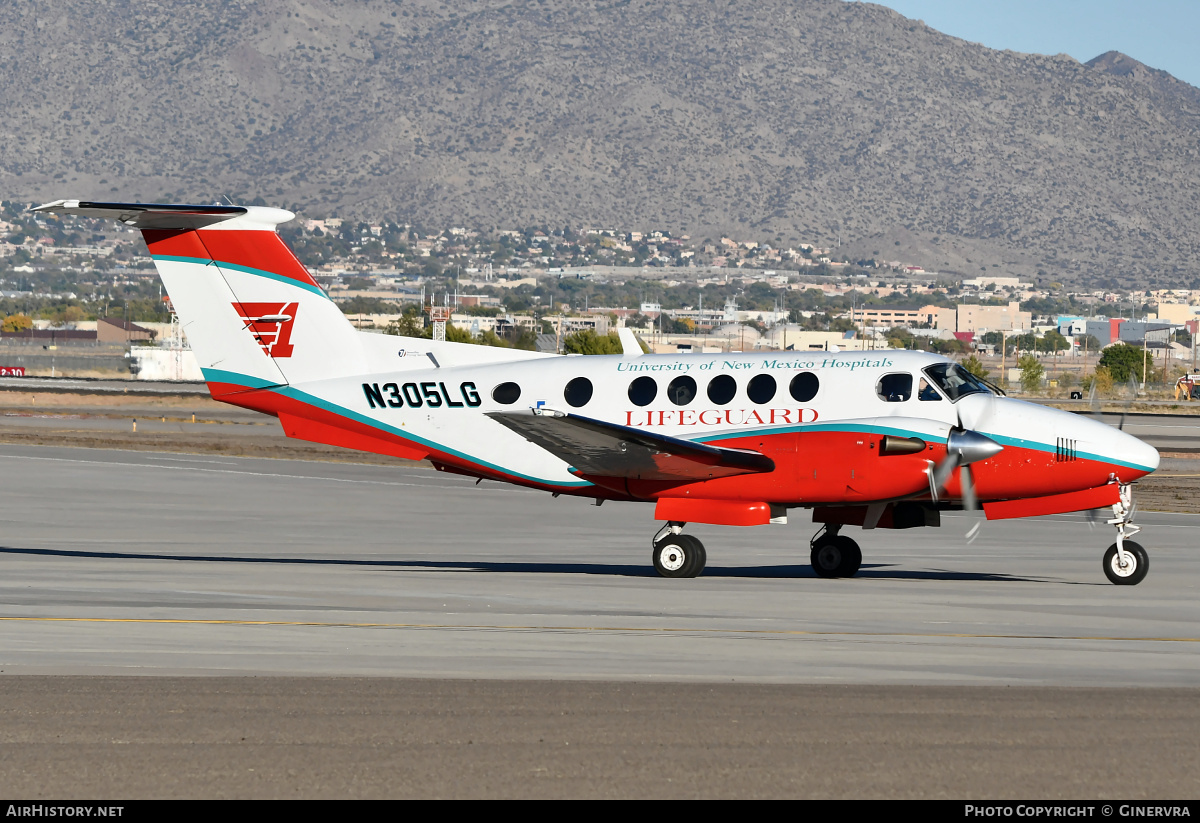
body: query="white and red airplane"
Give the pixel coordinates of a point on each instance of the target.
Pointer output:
(875, 439)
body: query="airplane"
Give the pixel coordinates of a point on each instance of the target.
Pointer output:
(871, 439)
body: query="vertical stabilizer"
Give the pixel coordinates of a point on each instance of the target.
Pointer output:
(252, 313)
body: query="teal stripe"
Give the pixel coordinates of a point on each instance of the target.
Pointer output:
(312, 400)
(816, 427)
(270, 275)
(1032, 445)
(220, 376)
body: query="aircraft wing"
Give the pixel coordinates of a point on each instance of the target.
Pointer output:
(598, 449)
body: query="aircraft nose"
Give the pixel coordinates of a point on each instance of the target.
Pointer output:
(1129, 453)
(1140, 454)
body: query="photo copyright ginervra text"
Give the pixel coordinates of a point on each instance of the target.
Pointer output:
(1064, 810)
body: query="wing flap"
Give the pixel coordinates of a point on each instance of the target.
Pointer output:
(594, 448)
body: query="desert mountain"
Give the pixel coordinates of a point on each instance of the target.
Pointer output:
(779, 120)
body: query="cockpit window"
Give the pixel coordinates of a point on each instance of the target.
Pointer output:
(894, 388)
(926, 391)
(955, 381)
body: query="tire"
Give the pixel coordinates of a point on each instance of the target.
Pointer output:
(675, 556)
(699, 557)
(836, 557)
(1128, 576)
(851, 557)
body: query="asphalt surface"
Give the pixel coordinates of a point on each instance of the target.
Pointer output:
(134, 563)
(113, 738)
(1164, 432)
(206, 626)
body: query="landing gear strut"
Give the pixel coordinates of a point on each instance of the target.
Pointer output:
(834, 555)
(1125, 562)
(676, 554)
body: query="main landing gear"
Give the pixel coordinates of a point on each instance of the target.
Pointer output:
(1125, 562)
(834, 555)
(677, 554)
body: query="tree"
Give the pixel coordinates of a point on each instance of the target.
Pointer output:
(17, 322)
(1052, 341)
(588, 342)
(1032, 372)
(1122, 360)
(1102, 380)
(975, 366)
(408, 324)
(899, 337)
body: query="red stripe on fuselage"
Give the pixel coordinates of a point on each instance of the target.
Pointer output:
(263, 250)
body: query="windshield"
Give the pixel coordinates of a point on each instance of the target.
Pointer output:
(955, 381)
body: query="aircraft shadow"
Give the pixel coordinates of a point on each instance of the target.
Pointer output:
(867, 571)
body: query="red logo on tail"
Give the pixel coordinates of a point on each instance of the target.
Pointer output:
(271, 325)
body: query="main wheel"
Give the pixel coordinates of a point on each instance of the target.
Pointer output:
(679, 555)
(836, 557)
(1135, 568)
(699, 557)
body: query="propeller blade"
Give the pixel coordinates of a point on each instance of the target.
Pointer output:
(942, 471)
(1133, 393)
(970, 502)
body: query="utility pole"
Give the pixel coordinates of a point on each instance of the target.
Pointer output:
(1145, 351)
(1004, 357)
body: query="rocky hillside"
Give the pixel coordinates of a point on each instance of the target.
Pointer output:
(781, 119)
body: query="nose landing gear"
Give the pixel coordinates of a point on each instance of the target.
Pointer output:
(834, 555)
(676, 554)
(1125, 562)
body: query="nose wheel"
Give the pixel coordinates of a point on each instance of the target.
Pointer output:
(676, 554)
(1128, 570)
(1125, 562)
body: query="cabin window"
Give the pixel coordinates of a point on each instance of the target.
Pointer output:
(506, 394)
(721, 389)
(642, 391)
(804, 386)
(761, 388)
(681, 390)
(578, 392)
(927, 392)
(894, 388)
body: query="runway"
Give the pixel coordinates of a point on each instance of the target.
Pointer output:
(157, 564)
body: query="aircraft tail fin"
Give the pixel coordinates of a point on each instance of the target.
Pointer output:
(250, 310)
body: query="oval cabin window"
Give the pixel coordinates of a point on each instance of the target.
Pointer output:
(682, 390)
(721, 389)
(506, 394)
(642, 391)
(578, 392)
(761, 388)
(804, 386)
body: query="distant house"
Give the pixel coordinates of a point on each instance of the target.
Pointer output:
(109, 330)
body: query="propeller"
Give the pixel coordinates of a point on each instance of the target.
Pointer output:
(963, 447)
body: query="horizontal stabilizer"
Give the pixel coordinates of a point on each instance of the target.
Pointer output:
(176, 217)
(594, 448)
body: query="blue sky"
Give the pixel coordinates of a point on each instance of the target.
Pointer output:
(1163, 34)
